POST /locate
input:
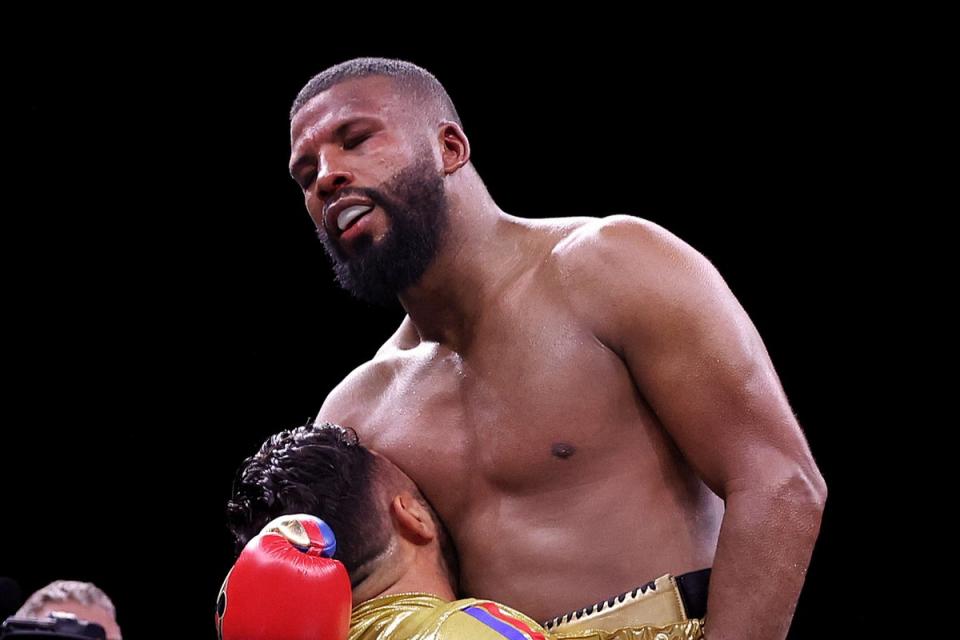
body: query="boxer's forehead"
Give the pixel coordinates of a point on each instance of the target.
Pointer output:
(374, 98)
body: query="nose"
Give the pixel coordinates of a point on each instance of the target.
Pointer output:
(332, 175)
(331, 180)
(327, 185)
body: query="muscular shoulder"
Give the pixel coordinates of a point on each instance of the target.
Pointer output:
(349, 401)
(624, 269)
(592, 243)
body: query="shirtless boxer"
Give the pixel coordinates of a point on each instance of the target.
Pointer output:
(375, 521)
(566, 384)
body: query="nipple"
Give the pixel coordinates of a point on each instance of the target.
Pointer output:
(562, 449)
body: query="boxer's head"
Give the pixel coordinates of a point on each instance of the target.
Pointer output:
(369, 140)
(323, 470)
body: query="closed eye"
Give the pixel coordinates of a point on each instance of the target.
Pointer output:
(350, 144)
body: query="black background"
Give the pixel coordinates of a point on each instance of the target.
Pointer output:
(168, 305)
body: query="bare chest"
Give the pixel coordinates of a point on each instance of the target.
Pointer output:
(533, 407)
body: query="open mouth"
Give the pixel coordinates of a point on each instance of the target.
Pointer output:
(350, 215)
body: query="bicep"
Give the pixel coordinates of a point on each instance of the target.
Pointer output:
(704, 370)
(698, 361)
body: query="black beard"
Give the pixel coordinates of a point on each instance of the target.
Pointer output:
(416, 210)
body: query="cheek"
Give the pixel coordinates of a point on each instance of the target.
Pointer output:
(314, 210)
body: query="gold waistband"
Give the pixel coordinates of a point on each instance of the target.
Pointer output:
(656, 603)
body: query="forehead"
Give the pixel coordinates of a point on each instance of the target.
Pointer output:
(374, 96)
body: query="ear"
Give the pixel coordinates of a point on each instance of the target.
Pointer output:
(412, 518)
(454, 146)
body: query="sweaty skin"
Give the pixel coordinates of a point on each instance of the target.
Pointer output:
(487, 434)
(576, 397)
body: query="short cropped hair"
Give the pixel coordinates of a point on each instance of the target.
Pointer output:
(85, 593)
(421, 86)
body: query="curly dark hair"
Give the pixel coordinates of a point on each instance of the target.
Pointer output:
(323, 470)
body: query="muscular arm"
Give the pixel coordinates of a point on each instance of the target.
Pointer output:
(698, 361)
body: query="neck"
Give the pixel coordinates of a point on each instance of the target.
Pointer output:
(399, 571)
(483, 252)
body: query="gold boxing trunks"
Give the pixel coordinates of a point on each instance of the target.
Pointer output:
(672, 607)
(666, 609)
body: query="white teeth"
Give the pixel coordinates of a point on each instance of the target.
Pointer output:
(350, 214)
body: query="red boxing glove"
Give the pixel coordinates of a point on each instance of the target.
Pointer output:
(286, 586)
